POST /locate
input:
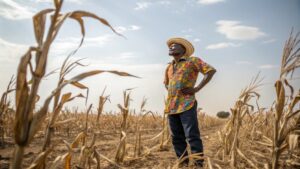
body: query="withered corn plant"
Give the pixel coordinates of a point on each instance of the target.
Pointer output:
(27, 120)
(230, 135)
(165, 136)
(138, 146)
(138, 140)
(165, 133)
(52, 122)
(266, 138)
(66, 68)
(4, 107)
(102, 100)
(286, 113)
(241, 108)
(88, 152)
(87, 121)
(121, 149)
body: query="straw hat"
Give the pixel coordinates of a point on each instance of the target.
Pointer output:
(188, 45)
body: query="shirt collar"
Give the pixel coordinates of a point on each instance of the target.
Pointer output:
(183, 58)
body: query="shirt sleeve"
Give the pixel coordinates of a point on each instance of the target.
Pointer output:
(202, 66)
(166, 80)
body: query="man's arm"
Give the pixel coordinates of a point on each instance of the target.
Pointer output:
(207, 77)
(166, 80)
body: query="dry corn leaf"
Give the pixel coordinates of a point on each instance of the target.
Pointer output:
(247, 159)
(78, 138)
(97, 156)
(66, 97)
(22, 117)
(74, 144)
(59, 22)
(79, 85)
(121, 73)
(121, 148)
(296, 100)
(280, 99)
(58, 108)
(37, 98)
(77, 15)
(39, 21)
(39, 161)
(109, 160)
(290, 87)
(58, 160)
(209, 163)
(59, 123)
(40, 115)
(21, 82)
(293, 141)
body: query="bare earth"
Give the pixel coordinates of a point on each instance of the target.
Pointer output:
(106, 144)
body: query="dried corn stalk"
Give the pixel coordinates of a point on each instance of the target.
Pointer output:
(102, 101)
(285, 111)
(27, 122)
(121, 149)
(4, 107)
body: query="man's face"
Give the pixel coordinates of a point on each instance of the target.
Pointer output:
(176, 50)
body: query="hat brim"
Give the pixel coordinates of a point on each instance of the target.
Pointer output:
(187, 45)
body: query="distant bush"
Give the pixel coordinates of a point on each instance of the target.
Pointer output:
(223, 114)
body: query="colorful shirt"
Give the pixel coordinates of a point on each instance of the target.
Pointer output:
(182, 75)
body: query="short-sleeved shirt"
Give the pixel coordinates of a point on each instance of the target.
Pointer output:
(181, 75)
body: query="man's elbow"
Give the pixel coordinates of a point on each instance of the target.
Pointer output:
(211, 73)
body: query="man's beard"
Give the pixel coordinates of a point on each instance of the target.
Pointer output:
(172, 53)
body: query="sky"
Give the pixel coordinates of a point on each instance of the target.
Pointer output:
(240, 38)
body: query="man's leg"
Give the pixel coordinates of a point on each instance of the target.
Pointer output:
(178, 136)
(190, 125)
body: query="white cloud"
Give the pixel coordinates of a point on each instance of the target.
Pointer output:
(11, 52)
(127, 55)
(164, 2)
(234, 30)
(63, 46)
(133, 68)
(99, 40)
(142, 5)
(134, 27)
(51, 1)
(196, 40)
(269, 41)
(222, 45)
(187, 36)
(66, 45)
(122, 29)
(15, 11)
(187, 30)
(243, 62)
(209, 2)
(268, 66)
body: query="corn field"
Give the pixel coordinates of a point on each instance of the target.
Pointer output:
(64, 137)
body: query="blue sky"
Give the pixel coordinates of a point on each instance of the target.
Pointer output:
(238, 37)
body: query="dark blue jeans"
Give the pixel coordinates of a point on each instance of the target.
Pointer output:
(184, 128)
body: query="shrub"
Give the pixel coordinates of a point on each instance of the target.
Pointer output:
(223, 114)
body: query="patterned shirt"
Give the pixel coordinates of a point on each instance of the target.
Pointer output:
(182, 75)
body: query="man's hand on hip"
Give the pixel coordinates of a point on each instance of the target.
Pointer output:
(189, 90)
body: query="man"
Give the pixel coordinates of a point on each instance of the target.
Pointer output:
(181, 106)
